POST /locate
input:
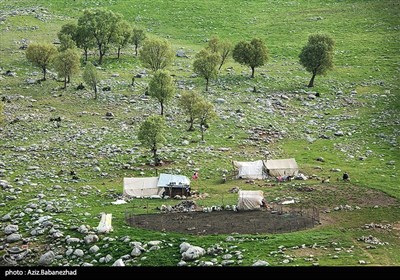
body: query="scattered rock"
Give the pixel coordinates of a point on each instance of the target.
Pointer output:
(47, 258)
(260, 263)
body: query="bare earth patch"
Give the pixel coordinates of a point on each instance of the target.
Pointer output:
(222, 222)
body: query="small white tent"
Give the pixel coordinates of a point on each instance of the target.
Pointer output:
(250, 200)
(282, 167)
(250, 169)
(142, 187)
(174, 184)
(165, 180)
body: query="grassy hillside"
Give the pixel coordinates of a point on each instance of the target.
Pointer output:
(359, 97)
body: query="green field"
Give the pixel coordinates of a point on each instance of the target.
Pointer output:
(359, 97)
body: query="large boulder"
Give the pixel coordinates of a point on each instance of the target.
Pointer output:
(10, 229)
(13, 237)
(119, 262)
(190, 252)
(47, 258)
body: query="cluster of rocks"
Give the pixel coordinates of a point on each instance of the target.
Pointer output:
(387, 227)
(191, 255)
(346, 208)
(184, 206)
(372, 240)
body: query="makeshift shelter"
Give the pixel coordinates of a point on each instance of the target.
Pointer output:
(174, 184)
(250, 200)
(281, 167)
(142, 187)
(250, 169)
(105, 223)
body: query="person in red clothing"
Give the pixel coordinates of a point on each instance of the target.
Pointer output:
(195, 175)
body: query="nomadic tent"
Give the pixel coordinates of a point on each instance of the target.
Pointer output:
(282, 167)
(250, 169)
(105, 223)
(250, 200)
(142, 187)
(174, 184)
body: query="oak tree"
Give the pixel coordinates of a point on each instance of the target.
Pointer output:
(41, 55)
(253, 54)
(151, 134)
(317, 55)
(162, 88)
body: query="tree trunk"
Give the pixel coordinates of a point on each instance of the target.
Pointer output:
(220, 66)
(119, 51)
(86, 54)
(155, 157)
(252, 72)
(311, 83)
(162, 108)
(202, 132)
(136, 47)
(69, 79)
(44, 74)
(101, 53)
(191, 124)
(206, 84)
(95, 91)
(65, 82)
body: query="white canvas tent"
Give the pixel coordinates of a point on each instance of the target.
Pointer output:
(165, 180)
(142, 187)
(174, 185)
(282, 167)
(250, 200)
(250, 169)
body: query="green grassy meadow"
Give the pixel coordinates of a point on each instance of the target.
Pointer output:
(359, 97)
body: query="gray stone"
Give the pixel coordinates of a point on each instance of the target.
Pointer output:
(10, 229)
(154, 248)
(73, 240)
(181, 53)
(136, 252)
(182, 263)
(220, 100)
(192, 253)
(91, 238)
(47, 258)
(184, 246)
(207, 263)
(96, 169)
(108, 258)
(230, 239)
(126, 257)
(118, 262)
(227, 262)
(227, 257)
(6, 217)
(83, 229)
(154, 243)
(78, 252)
(69, 252)
(14, 237)
(94, 249)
